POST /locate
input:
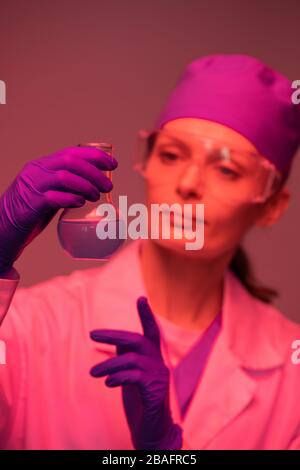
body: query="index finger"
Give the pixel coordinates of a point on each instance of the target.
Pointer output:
(150, 327)
(93, 155)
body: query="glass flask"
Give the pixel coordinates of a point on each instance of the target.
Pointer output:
(79, 228)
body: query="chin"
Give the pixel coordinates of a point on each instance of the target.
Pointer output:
(179, 246)
(207, 253)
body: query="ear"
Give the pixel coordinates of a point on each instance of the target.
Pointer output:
(274, 208)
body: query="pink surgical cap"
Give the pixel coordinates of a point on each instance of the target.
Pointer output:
(244, 94)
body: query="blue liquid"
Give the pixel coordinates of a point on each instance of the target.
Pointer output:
(79, 239)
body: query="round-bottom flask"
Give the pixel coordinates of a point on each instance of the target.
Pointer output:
(84, 233)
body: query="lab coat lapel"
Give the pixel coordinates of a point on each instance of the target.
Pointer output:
(226, 388)
(223, 392)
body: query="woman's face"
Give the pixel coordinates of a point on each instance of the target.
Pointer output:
(225, 223)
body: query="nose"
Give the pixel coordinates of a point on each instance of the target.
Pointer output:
(190, 182)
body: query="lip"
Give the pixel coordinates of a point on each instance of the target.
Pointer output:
(195, 220)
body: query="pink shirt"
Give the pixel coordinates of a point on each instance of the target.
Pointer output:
(247, 397)
(178, 340)
(188, 353)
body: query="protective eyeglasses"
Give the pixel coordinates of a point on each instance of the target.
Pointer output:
(231, 175)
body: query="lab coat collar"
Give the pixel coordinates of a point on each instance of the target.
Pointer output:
(247, 327)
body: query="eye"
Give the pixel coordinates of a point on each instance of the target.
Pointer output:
(168, 156)
(228, 172)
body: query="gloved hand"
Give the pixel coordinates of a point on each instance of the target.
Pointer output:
(140, 369)
(63, 179)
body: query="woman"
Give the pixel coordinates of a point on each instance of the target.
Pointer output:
(206, 364)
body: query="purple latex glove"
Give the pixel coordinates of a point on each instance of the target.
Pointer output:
(63, 179)
(140, 369)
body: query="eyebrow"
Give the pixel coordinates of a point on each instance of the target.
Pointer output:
(175, 142)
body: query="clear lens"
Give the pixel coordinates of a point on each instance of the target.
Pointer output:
(230, 175)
